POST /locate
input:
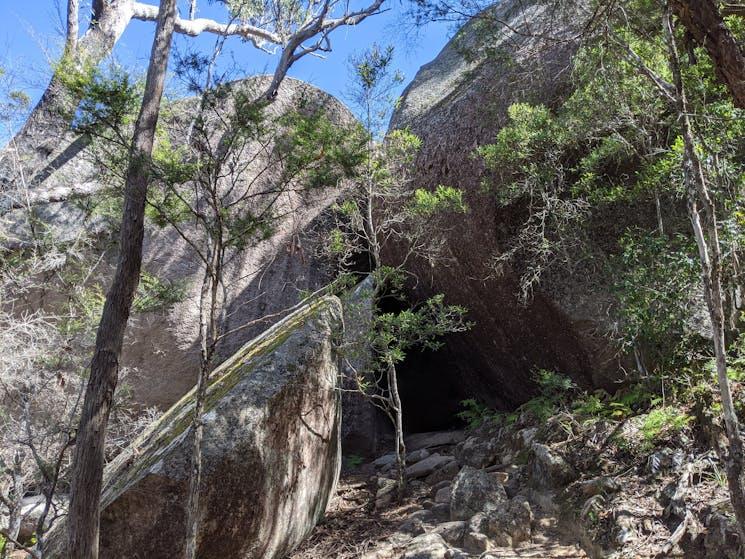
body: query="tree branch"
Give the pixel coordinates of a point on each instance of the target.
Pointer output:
(194, 27)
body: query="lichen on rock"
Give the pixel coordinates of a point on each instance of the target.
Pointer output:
(271, 452)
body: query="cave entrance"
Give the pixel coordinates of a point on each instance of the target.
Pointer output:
(430, 390)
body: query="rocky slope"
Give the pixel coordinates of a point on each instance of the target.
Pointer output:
(532, 489)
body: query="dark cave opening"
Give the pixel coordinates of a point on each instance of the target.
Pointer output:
(431, 393)
(429, 386)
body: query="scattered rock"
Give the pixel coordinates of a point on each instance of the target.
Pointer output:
(512, 525)
(425, 467)
(440, 485)
(426, 546)
(445, 473)
(442, 511)
(417, 455)
(475, 491)
(549, 469)
(452, 532)
(415, 522)
(434, 439)
(524, 437)
(385, 461)
(597, 486)
(385, 493)
(443, 495)
(476, 542)
(477, 452)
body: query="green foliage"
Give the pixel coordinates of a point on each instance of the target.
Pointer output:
(87, 306)
(109, 99)
(395, 333)
(554, 390)
(154, 294)
(475, 413)
(655, 285)
(354, 461)
(612, 147)
(521, 156)
(662, 423)
(320, 151)
(372, 65)
(444, 199)
(373, 85)
(621, 405)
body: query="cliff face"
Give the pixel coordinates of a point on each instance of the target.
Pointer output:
(519, 52)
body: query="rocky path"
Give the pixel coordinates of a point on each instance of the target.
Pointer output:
(532, 489)
(452, 511)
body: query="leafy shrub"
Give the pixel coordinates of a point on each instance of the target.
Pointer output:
(663, 422)
(154, 294)
(475, 413)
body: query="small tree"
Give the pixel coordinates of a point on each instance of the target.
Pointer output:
(384, 215)
(224, 192)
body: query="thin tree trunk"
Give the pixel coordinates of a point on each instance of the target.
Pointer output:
(707, 240)
(208, 335)
(15, 502)
(398, 429)
(83, 521)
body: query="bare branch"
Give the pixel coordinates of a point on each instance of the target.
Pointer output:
(194, 27)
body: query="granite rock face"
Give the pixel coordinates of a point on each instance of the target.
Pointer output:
(455, 104)
(271, 452)
(161, 349)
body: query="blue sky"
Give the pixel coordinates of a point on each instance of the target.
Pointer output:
(30, 37)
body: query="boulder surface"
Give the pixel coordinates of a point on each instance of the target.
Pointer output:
(271, 452)
(455, 104)
(161, 349)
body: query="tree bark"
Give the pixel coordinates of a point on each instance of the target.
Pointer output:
(707, 240)
(73, 10)
(208, 335)
(703, 20)
(398, 427)
(83, 522)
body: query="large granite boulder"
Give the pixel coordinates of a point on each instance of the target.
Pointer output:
(456, 103)
(161, 350)
(361, 426)
(271, 452)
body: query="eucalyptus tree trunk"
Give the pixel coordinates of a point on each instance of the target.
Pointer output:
(83, 521)
(702, 213)
(73, 11)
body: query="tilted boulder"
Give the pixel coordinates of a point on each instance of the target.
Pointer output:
(271, 452)
(455, 104)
